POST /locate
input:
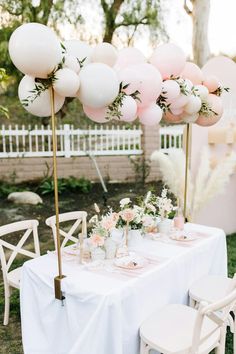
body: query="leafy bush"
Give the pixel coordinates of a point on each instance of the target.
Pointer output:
(65, 184)
(6, 188)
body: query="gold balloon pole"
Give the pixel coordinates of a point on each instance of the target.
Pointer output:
(187, 153)
(57, 279)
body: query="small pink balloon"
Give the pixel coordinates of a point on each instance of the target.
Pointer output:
(129, 56)
(169, 59)
(178, 102)
(216, 105)
(172, 118)
(146, 79)
(212, 83)
(150, 115)
(170, 89)
(192, 72)
(129, 109)
(97, 115)
(177, 111)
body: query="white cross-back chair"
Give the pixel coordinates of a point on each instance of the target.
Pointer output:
(211, 288)
(80, 217)
(180, 329)
(9, 252)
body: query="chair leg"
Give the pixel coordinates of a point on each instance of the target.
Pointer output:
(234, 332)
(221, 348)
(7, 304)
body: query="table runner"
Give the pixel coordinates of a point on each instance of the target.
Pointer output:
(102, 314)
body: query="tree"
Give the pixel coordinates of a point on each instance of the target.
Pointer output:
(199, 10)
(131, 14)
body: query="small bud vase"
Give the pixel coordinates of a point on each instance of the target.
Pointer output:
(110, 248)
(98, 254)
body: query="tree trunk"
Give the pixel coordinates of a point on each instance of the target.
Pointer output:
(110, 14)
(200, 17)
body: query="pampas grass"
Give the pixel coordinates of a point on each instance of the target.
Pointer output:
(208, 182)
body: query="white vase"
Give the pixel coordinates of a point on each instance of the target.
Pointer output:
(98, 254)
(117, 236)
(134, 238)
(165, 226)
(110, 248)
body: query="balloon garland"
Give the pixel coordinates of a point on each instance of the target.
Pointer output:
(121, 85)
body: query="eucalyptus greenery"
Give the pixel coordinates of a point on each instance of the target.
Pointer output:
(114, 109)
(206, 110)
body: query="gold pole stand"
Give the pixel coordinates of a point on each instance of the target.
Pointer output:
(187, 147)
(57, 279)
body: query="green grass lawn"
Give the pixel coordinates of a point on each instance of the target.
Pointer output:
(10, 336)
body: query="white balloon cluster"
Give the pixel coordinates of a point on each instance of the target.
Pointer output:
(112, 84)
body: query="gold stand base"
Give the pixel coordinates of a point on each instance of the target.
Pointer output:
(57, 287)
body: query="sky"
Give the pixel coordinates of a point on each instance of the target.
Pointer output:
(222, 26)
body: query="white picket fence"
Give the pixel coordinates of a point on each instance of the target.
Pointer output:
(171, 137)
(98, 140)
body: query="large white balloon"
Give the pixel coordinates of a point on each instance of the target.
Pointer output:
(66, 82)
(72, 63)
(41, 106)
(79, 49)
(35, 49)
(99, 85)
(193, 105)
(105, 53)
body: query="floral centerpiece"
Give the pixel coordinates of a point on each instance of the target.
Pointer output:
(166, 211)
(101, 231)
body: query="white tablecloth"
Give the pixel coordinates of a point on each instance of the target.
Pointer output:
(102, 314)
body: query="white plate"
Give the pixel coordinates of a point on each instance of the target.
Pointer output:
(183, 238)
(130, 262)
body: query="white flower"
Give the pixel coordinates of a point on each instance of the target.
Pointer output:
(124, 202)
(151, 207)
(147, 220)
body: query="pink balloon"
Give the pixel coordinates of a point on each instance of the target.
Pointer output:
(170, 89)
(150, 115)
(129, 56)
(212, 83)
(217, 106)
(178, 102)
(177, 111)
(168, 59)
(146, 79)
(97, 115)
(192, 72)
(171, 118)
(129, 109)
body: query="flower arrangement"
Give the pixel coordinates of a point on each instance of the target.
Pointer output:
(102, 228)
(165, 205)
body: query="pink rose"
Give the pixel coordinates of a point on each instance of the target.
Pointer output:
(97, 240)
(127, 215)
(108, 223)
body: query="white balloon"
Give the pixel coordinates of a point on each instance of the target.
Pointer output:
(41, 106)
(35, 49)
(72, 63)
(99, 85)
(189, 118)
(66, 82)
(178, 102)
(193, 105)
(129, 109)
(79, 49)
(202, 91)
(170, 89)
(188, 84)
(105, 53)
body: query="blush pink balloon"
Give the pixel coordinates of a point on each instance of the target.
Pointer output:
(216, 105)
(178, 102)
(129, 109)
(146, 79)
(177, 111)
(192, 72)
(170, 89)
(169, 59)
(172, 118)
(150, 115)
(212, 83)
(129, 56)
(97, 115)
